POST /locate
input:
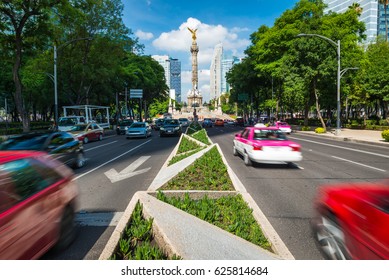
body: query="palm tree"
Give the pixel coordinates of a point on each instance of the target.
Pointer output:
(357, 8)
(385, 3)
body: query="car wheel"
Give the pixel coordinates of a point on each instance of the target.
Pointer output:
(101, 137)
(330, 238)
(234, 151)
(247, 159)
(67, 229)
(86, 140)
(80, 160)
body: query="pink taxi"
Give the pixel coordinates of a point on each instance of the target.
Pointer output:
(283, 126)
(266, 145)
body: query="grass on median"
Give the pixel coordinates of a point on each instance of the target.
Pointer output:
(137, 242)
(207, 173)
(230, 213)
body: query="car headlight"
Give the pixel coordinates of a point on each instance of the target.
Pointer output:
(177, 128)
(162, 128)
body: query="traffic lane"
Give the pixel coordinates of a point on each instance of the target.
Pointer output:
(350, 154)
(283, 193)
(103, 202)
(129, 167)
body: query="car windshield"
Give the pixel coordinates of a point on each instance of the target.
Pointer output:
(126, 122)
(264, 134)
(78, 127)
(137, 125)
(173, 122)
(24, 143)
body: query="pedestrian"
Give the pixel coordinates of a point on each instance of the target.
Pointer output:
(328, 124)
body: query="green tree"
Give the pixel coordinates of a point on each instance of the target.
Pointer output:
(22, 24)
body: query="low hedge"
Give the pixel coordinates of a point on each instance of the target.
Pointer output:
(385, 135)
(320, 130)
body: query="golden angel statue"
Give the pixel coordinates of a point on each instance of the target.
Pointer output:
(193, 33)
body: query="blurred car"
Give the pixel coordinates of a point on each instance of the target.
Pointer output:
(283, 126)
(87, 132)
(38, 198)
(158, 124)
(239, 121)
(59, 144)
(184, 121)
(170, 127)
(265, 145)
(352, 220)
(122, 126)
(219, 122)
(66, 123)
(138, 129)
(207, 123)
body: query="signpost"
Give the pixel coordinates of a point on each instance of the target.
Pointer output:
(137, 93)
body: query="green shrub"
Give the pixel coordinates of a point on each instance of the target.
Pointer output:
(193, 127)
(320, 130)
(305, 128)
(385, 134)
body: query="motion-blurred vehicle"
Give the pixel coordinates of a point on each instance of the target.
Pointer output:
(170, 127)
(61, 145)
(219, 122)
(138, 129)
(158, 124)
(184, 121)
(66, 123)
(265, 145)
(352, 220)
(87, 132)
(283, 126)
(38, 199)
(122, 126)
(239, 121)
(207, 123)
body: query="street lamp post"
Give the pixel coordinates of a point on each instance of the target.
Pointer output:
(56, 49)
(337, 45)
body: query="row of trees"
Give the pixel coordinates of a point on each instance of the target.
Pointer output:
(293, 74)
(97, 56)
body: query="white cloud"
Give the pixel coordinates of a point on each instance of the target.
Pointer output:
(144, 35)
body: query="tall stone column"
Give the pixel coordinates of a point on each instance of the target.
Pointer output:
(194, 49)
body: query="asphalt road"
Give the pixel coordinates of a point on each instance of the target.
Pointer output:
(285, 194)
(117, 168)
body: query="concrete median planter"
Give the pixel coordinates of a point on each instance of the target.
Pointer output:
(181, 234)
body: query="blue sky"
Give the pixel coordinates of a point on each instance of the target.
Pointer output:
(161, 27)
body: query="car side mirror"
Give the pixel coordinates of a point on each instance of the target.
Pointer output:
(238, 135)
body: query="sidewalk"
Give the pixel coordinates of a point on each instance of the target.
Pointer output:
(353, 135)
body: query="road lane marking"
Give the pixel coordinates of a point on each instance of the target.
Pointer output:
(340, 147)
(368, 166)
(100, 146)
(127, 172)
(111, 160)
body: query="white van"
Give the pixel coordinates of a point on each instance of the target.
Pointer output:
(65, 123)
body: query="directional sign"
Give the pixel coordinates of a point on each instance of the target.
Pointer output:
(136, 93)
(243, 96)
(127, 172)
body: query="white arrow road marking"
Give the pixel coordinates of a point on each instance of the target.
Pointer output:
(127, 172)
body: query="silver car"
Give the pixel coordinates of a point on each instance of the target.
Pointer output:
(138, 129)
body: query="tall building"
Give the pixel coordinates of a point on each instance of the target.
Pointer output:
(216, 72)
(381, 20)
(369, 14)
(220, 65)
(172, 69)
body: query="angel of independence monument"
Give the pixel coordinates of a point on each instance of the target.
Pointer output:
(194, 97)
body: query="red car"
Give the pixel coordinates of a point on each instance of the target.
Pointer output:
(352, 220)
(265, 145)
(37, 204)
(219, 122)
